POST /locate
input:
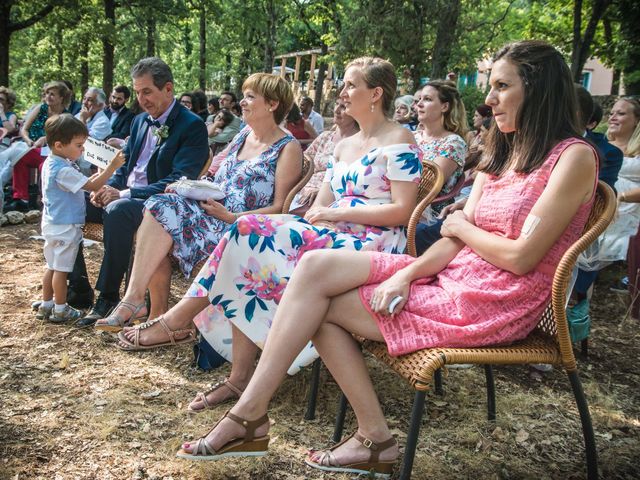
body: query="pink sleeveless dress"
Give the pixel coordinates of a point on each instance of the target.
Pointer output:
(472, 303)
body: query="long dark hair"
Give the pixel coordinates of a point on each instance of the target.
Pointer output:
(548, 113)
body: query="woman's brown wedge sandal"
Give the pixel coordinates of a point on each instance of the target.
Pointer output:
(248, 446)
(374, 466)
(202, 396)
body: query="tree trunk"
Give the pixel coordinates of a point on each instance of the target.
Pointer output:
(227, 75)
(5, 38)
(7, 27)
(84, 67)
(416, 56)
(270, 37)
(576, 39)
(615, 82)
(630, 54)
(202, 73)
(151, 35)
(59, 52)
(445, 38)
(107, 46)
(582, 44)
(322, 70)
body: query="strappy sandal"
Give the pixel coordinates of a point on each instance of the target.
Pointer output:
(374, 466)
(125, 344)
(115, 323)
(248, 446)
(202, 396)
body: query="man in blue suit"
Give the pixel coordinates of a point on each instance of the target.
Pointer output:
(167, 142)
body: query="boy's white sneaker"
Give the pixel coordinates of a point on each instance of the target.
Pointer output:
(68, 315)
(43, 313)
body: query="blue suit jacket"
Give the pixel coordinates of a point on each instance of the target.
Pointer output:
(611, 158)
(182, 154)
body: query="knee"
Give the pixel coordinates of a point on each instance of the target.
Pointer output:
(123, 213)
(314, 263)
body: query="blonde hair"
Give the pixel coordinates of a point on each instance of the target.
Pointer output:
(273, 88)
(378, 72)
(62, 90)
(633, 146)
(455, 118)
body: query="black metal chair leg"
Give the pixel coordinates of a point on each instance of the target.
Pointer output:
(438, 381)
(313, 391)
(584, 348)
(414, 432)
(587, 427)
(342, 411)
(491, 393)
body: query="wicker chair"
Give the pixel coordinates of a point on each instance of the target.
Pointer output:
(431, 183)
(307, 171)
(549, 343)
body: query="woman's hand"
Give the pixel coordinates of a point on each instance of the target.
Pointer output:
(316, 214)
(453, 224)
(449, 209)
(170, 188)
(396, 285)
(307, 197)
(217, 210)
(41, 142)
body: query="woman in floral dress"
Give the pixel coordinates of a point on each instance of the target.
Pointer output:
(373, 181)
(443, 123)
(260, 167)
(320, 152)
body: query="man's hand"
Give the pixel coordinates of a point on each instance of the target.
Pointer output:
(104, 196)
(116, 142)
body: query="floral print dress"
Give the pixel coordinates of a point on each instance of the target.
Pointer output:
(452, 147)
(248, 184)
(248, 271)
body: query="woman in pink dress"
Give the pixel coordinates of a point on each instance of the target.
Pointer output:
(485, 282)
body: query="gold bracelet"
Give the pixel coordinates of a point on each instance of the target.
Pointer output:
(623, 197)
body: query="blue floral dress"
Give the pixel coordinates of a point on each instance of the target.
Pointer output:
(249, 184)
(452, 147)
(247, 273)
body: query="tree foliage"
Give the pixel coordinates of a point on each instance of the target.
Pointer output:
(215, 44)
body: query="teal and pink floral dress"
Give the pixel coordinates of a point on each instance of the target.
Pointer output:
(248, 271)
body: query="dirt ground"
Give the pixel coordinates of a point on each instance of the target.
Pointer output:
(75, 407)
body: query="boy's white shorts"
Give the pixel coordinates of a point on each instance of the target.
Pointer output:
(61, 244)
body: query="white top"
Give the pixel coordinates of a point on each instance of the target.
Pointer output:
(99, 126)
(316, 121)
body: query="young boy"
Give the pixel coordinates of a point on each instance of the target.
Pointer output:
(64, 211)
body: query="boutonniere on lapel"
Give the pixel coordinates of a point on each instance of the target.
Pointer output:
(161, 133)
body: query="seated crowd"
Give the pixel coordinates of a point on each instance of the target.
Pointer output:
(528, 190)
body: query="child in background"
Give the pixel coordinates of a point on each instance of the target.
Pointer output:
(64, 211)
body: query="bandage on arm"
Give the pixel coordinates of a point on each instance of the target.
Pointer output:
(529, 226)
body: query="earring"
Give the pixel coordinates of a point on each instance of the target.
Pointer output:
(372, 107)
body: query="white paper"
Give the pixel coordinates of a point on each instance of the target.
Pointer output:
(98, 153)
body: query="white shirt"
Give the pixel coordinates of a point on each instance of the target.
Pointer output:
(99, 125)
(316, 121)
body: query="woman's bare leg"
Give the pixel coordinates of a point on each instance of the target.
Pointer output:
(159, 286)
(342, 356)
(244, 360)
(180, 316)
(319, 276)
(153, 244)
